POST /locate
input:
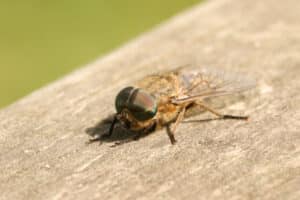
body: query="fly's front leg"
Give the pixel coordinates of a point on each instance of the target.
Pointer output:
(238, 117)
(171, 134)
(111, 129)
(110, 132)
(106, 135)
(171, 130)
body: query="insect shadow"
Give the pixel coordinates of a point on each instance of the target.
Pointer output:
(121, 135)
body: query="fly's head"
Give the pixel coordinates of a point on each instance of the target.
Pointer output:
(135, 107)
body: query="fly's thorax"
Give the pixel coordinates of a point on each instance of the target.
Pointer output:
(167, 111)
(138, 104)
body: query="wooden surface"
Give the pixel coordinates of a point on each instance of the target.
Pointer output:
(43, 150)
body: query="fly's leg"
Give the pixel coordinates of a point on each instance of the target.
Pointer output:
(171, 130)
(238, 117)
(170, 134)
(112, 126)
(110, 132)
(106, 135)
(179, 119)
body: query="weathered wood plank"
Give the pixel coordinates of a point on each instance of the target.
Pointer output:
(42, 137)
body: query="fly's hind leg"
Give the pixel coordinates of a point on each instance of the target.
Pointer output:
(171, 130)
(238, 117)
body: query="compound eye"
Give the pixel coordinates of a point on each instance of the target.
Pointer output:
(122, 98)
(142, 105)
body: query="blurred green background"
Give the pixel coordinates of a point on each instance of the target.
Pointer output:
(43, 40)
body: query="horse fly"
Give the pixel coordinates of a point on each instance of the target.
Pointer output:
(161, 100)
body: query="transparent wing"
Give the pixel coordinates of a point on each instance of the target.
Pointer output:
(159, 84)
(201, 83)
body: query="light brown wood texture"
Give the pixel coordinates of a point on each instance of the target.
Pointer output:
(43, 150)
